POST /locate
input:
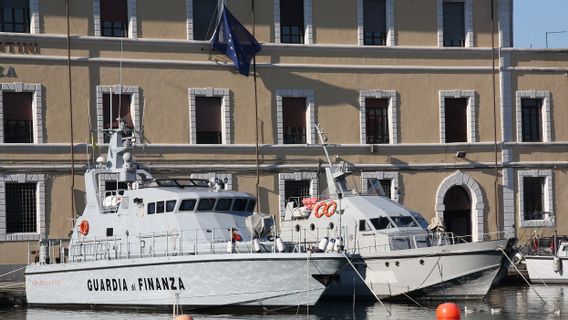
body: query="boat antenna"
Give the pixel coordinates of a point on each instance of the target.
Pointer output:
(257, 148)
(71, 142)
(323, 140)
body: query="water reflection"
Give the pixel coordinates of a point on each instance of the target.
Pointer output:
(513, 301)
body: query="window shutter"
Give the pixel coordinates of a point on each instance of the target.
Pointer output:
(292, 12)
(208, 114)
(374, 19)
(456, 119)
(205, 15)
(17, 105)
(114, 10)
(294, 112)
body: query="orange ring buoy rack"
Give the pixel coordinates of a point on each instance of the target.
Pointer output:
(330, 208)
(84, 227)
(317, 212)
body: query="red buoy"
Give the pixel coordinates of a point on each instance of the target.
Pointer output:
(448, 311)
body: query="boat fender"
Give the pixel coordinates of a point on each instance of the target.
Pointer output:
(338, 247)
(557, 264)
(84, 227)
(330, 245)
(330, 208)
(320, 209)
(256, 245)
(230, 246)
(279, 244)
(323, 243)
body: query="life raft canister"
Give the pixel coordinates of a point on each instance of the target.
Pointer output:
(84, 227)
(330, 209)
(320, 209)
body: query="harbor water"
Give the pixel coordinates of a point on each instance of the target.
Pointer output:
(508, 301)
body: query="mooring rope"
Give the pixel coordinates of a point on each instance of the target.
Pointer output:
(519, 272)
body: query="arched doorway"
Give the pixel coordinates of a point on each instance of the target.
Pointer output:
(457, 212)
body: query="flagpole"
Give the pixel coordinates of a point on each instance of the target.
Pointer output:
(256, 113)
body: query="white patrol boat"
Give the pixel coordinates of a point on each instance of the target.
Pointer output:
(399, 256)
(549, 266)
(172, 242)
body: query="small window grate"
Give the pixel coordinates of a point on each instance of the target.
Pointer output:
(21, 207)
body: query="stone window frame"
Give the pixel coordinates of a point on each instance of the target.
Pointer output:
(475, 193)
(471, 112)
(132, 18)
(390, 23)
(548, 204)
(308, 24)
(209, 175)
(37, 107)
(225, 95)
(309, 95)
(39, 179)
(295, 176)
(383, 175)
(135, 107)
(392, 96)
(546, 124)
(468, 17)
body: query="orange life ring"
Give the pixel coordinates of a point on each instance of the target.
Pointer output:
(317, 212)
(330, 208)
(84, 227)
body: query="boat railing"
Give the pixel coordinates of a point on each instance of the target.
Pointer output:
(310, 238)
(169, 243)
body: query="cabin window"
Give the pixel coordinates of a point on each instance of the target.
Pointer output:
(170, 205)
(381, 223)
(160, 207)
(18, 119)
(250, 206)
(223, 204)
(403, 221)
(239, 204)
(187, 205)
(205, 204)
(364, 226)
(151, 208)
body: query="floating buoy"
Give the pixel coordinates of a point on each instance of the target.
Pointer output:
(323, 243)
(184, 317)
(448, 311)
(556, 264)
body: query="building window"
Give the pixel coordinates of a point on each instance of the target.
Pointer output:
(456, 119)
(455, 23)
(532, 119)
(374, 22)
(209, 116)
(296, 186)
(21, 211)
(457, 116)
(291, 105)
(21, 115)
(377, 120)
(294, 117)
(14, 16)
(293, 21)
(18, 120)
(535, 197)
(204, 16)
(115, 18)
(115, 101)
(378, 116)
(533, 116)
(208, 120)
(22, 207)
(373, 182)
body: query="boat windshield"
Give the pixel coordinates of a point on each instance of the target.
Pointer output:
(381, 223)
(405, 222)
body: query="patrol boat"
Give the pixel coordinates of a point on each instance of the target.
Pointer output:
(163, 242)
(401, 257)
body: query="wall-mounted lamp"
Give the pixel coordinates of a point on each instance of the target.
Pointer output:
(461, 154)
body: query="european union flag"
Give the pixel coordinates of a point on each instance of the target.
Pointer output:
(233, 39)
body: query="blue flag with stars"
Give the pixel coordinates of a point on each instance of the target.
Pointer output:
(234, 40)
